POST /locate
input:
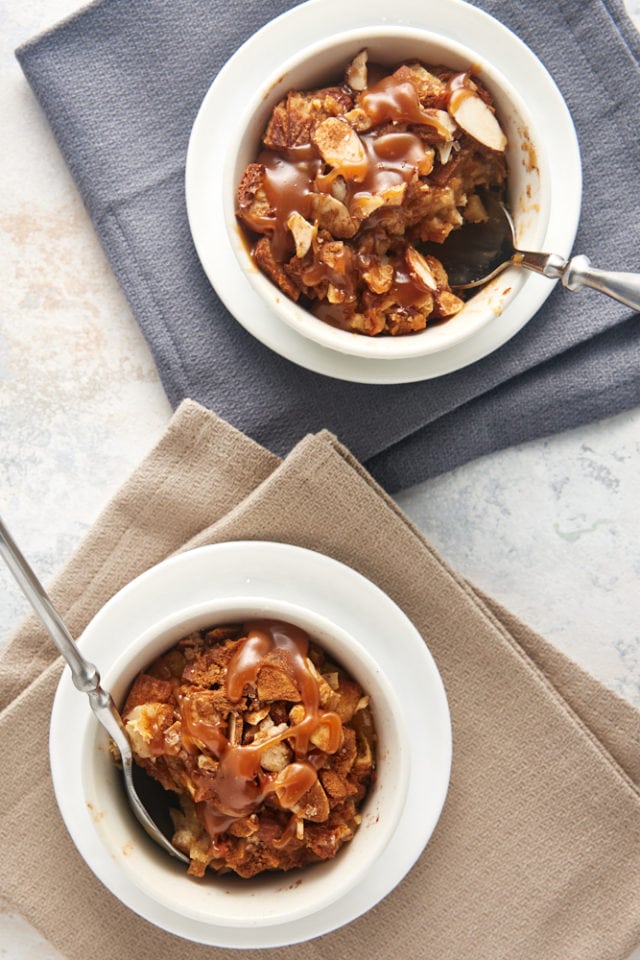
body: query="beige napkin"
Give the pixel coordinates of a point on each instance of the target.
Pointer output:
(537, 853)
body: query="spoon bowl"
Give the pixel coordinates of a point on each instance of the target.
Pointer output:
(478, 252)
(86, 679)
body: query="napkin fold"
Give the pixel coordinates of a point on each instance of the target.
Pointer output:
(537, 852)
(121, 84)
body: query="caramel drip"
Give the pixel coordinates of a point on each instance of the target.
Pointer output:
(288, 834)
(393, 160)
(458, 89)
(298, 778)
(240, 783)
(245, 664)
(396, 101)
(392, 100)
(288, 184)
(210, 735)
(397, 149)
(406, 290)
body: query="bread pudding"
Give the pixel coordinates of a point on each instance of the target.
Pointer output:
(355, 182)
(267, 745)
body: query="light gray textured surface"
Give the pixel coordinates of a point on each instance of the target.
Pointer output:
(550, 528)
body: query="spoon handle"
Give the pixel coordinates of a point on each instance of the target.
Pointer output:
(85, 675)
(624, 287)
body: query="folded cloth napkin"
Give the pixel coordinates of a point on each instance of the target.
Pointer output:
(121, 84)
(537, 852)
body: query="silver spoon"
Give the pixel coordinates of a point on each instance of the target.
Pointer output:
(478, 252)
(85, 678)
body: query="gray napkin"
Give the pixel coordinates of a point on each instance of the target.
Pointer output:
(121, 84)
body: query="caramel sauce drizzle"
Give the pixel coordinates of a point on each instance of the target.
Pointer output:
(289, 183)
(458, 89)
(293, 176)
(240, 783)
(397, 101)
(392, 157)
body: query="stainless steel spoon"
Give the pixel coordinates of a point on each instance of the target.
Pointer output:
(85, 678)
(478, 252)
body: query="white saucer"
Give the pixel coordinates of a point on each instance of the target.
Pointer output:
(284, 572)
(261, 55)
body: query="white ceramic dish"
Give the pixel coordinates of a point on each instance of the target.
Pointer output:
(269, 899)
(224, 575)
(528, 184)
(272, 46)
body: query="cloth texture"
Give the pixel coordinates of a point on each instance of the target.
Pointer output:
(537, 852)
(121, 84)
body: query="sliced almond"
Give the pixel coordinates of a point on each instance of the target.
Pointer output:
(358, 119)
(477, 119)
(420, 269)
(269, 731)
(365, 204)
(327, 693)
(438, 270)
(303, 233)
(441, 122)
(357, 73)
(444, 152)
(379, 277)
(449, 304)
(333, 215)
(341, 148)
